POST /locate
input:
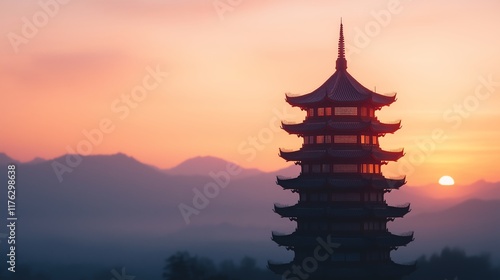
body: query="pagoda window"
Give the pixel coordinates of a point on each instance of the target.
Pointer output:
(328, 139)
(364, 111)
(370, 168)
(374, 140)
(345, 168)
(364, 168)
(321, 112)
(316, 168)
(373, 196)
(346, 111)
(325, 168)
(310, 112)
(365, 139)
(367, 226)
(328, 111)
(371, 112)
(306, 140)
(345, 139)
(311, 139)
(320, 139)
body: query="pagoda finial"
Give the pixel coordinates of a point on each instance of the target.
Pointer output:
(341, 61)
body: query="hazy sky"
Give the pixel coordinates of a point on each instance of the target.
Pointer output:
(74, 66)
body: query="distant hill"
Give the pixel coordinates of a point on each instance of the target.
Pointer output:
(36, 160)
(204, 165)
(5, 159)
(471, 225)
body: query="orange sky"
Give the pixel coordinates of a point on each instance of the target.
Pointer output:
(68, 68)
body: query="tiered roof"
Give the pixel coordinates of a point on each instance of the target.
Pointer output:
(341, 87)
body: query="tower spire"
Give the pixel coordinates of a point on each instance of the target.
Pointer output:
(341, 61)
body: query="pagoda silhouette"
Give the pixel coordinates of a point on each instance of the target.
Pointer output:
(341, 214)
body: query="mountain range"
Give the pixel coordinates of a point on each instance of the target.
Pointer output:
(115, 209)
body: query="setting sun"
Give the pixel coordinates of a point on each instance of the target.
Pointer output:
(446, 181)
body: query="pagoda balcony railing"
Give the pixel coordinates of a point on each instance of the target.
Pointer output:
(289, 94)
(397, 178)
(398, 150)
(393, 122)
(289, 122)
(281, 177)
(403, 205)
(279, 205)
(278, 233)
(287, 150)
(277, 263)
(409, 233)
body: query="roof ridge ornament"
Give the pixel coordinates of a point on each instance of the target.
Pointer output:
(341, 61)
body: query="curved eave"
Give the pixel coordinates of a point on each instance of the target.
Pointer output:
(296, 211)
(345, 155)
(313, 127)
(384, 128)
(369, 271)
(315, 182)
(382, 155)
(386, 240)
(340, 87)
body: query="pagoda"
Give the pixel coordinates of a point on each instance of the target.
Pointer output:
(341, 187)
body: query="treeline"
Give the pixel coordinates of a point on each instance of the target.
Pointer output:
(183, 266)
(449, 264)
(454, 264)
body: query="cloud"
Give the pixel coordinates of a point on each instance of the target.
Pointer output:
(51, 70)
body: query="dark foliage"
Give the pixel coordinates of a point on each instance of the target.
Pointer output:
(182, 266)
(454, 264)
